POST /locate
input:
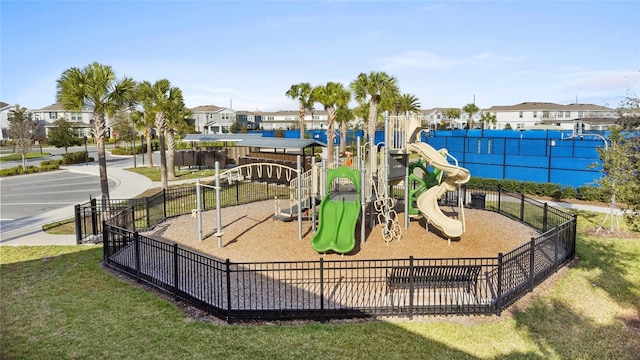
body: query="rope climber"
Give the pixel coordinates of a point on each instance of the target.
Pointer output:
(387, 216)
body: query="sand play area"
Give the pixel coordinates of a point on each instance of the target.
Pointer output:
(251, 235)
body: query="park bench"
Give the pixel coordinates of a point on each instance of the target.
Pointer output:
(439, 276)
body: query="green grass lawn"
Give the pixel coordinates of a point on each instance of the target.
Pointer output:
(59, 303)
(16, 157)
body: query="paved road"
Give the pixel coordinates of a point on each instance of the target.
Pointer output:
(24, 196)
(29, 201)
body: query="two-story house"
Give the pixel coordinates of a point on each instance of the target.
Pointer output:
(211, 119)
(81, 121)
(527, 114)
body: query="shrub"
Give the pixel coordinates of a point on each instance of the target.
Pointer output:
(77, 157)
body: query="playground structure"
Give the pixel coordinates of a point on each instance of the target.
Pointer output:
(350, 191)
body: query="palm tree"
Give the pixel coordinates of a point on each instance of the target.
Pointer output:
(343, 116)
(453, 114)
(487, 118)
(408, 104)
(470, 109)
(95, 86)
(146, 118)
(331, 96)
(376, 86)
(177, 122)
(303, 93)
(160, 98)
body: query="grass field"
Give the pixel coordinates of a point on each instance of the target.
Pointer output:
(59, 303)
(187, 174)
(16, 157)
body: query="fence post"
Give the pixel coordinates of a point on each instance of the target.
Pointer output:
(532, 275)
(237, 192)
(228, 273)
(544, 217)
(78, 218)
(499, 287)
(105, 242)
(94, 216)
(411, 287)
(176, 288)
(557, 249)
(164, 203)
(148, 217)
(322, 314)
(136, 247)
(574, 232)
(521, 206)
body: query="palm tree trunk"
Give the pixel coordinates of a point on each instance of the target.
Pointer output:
(301, 120)
(171, 145)
(160, 125)
(373, 119)
(99, 129)
(343, 137)
(149, 148)
(331, 132)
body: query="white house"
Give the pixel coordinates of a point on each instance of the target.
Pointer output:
(81, 121)
(211, 119)
(594, 117)
(5, 110)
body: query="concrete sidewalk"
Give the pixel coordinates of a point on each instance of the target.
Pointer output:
(128, 185)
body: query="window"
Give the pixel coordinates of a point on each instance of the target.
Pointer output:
(580, 114)
(520, 116)
(535, 114)
(567, 114)
(545, 115)
(519, 125)
(269, 118)
(489, 146)
(559, 114)
(53, 115)
(75, 116)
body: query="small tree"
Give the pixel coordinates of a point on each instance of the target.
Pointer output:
(621, 161)
(124, 126)
(22, 128)
(63, 135)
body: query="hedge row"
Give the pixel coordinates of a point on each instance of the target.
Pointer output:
(556, 191)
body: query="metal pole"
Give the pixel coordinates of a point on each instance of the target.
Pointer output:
(314, 187)
(198, 210)
(218, 210)
(86, 152)
(299, 191)
(134, 152)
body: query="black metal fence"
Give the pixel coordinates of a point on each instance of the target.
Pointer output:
(326, 289)
(149, 211)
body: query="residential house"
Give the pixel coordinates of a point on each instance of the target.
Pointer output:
(81, 121)
(211, 119)
(288, 119)
(5, 110)
(527, 114)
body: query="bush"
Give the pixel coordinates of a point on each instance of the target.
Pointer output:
(77, 157)
(556, 191)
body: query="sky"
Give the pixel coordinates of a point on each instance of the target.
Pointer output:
(245, 55)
